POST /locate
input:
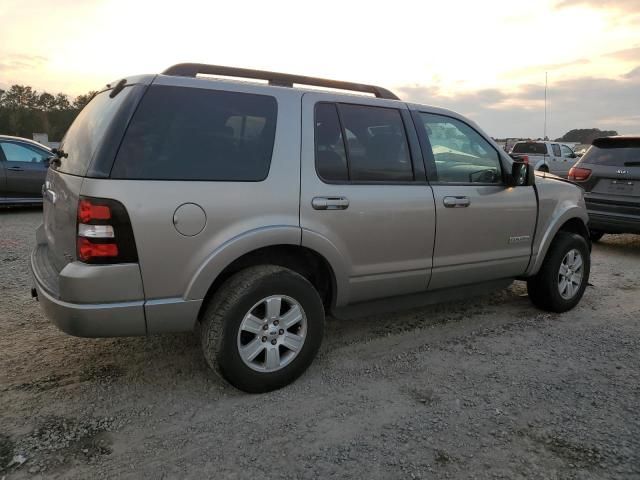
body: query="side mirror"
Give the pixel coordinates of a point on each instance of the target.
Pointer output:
(519, 174)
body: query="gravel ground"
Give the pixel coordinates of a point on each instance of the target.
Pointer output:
(489, 388)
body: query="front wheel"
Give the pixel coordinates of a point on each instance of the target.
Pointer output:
(262, 328)
(563, 277)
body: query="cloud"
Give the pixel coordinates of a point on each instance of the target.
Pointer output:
(628, 54)
(12, 62)
(631, 6)
(606, 103)
(547, 67)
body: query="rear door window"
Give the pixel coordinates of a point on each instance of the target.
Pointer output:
(331, 156)
(556, 150)
(182, 133)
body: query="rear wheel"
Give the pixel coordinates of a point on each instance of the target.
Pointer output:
(262, 328)
(595, 235)
(563, 277)
(544, 168)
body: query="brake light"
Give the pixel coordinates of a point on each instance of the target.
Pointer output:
(87, 250)
(579, 174)
(88, 211)
(104, 233)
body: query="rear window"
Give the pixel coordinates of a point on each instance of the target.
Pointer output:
(197, 134)
(530, 148)
(87, 132)
(617, 153)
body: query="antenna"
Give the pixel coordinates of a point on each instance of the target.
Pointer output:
(544, 136)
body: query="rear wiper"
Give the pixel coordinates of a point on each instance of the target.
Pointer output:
(58, 155)
(632, 164)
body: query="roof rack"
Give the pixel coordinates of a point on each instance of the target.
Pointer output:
(274, 78)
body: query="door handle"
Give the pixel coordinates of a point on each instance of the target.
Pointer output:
(330, 203)
(15, 169)
(456, 202)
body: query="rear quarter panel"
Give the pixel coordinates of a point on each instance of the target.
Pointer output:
(240, 216)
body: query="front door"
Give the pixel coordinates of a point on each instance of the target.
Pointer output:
(364, 195)
(484, 228)
(25, 169)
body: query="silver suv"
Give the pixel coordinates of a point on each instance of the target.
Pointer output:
(250, 210)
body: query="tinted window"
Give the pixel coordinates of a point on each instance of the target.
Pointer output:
(14, 152)
(331, 159)
(617, 156)
(88, 130)
(530, 148)
(196, 134)
(566, 151)
(461, 154)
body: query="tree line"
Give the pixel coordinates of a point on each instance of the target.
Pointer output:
(25, 111)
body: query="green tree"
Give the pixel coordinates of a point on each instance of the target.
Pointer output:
(46, 102)
(82, 100)
(585, 135)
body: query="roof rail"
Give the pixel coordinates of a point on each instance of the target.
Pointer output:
(274, 78)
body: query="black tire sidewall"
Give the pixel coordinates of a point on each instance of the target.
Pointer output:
(232, 366)
(564, 243)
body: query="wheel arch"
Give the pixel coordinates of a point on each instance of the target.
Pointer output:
(305, 261)
(572, 220)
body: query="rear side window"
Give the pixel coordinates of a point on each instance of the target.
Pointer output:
(556, 150)
(331, 157)
(530, 148)
(198, 134)
(14, 152)
(617, 153)
(373, 138)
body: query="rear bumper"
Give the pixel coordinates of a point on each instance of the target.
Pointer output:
(97, 319)
(613, 217)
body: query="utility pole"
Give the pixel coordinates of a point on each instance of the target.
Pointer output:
(544, 136)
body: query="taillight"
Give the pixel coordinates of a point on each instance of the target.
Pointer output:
(104, 232)
(579, 174)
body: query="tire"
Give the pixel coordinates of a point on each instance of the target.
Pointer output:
(545, 287)
(237, 313)
(544, 168)
(595, 235)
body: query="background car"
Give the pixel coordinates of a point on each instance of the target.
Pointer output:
(552, 157)
(610, 174)
(23, 168)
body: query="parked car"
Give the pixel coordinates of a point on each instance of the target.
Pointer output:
(610, 174)
(552, 157)
(252, 210)
(23, 168)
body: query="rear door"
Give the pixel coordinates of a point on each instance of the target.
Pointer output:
(364, 191)
(556, 162)
(25, 169)
(484, 228)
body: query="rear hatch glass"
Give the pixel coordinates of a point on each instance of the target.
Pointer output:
(530, 148)
(617, 153)
(88, 130)
(616, 165)
(93, 133)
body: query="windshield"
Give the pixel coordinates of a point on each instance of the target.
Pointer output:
(531, 148)
(87, 131)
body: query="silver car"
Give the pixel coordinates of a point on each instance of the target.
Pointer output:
(252, 210)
